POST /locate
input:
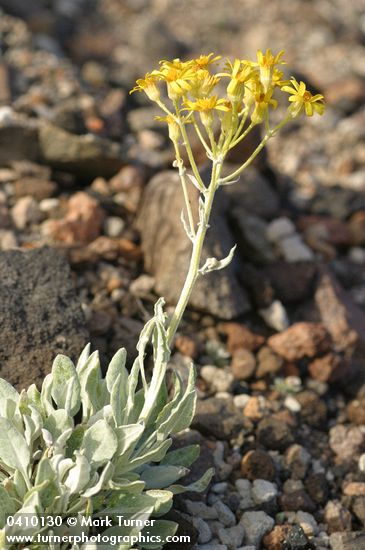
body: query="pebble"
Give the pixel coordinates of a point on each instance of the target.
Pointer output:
(275, 316)
(348, 541)
(8, 239)
(219, 488)
(26, 211)
(232, 536)
(212, 546)
(243, 487)
(142, 286)
(362, 463)
(255, 408)
(268, 362)
(292, 404)
(243, 364)
(279, 229)
(219, 378)
(337, 517)
(295, 250)
(297, 459)
(301, 340)
(307, 523)
(258, 465)
(113, 226)
(263, 491)
(274, 540)
(240, 337)
(275, 434)
(49, 206)
(201, 510)
(241, 400)
(345, 441)
(256, 525)
(225, 515)
(205, 533)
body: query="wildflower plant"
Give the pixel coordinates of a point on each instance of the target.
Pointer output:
(92, 446)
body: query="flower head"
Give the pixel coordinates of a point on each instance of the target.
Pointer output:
(240, 72)
(266, 62)
(203, 83)
(301, 99)
(205, 107)
(263, 100)
(148, 85)
(203, 61)
(177, 75)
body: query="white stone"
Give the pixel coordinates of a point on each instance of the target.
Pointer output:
(114, 226)
(256, 525)
(48, 205)
(362, 463)
(279, 229)
(220, 379)
(292, 404)
(295, 250)
(357, 255)
(142, 285)
(275, 316)
(225, 514)
(240, 401)
(263, 491)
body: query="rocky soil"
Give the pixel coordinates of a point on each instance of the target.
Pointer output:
(90, 234)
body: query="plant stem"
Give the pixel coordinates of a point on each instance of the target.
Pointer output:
(193, 271)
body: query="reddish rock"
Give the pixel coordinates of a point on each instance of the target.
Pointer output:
(128, 183)
(329, 368)
(354, 489)
(331, 230)
(254, 409)
(275, 539)
(82, 223)
(187, 345)
(301, 340)
(104, 248)
(346, 93)
(343, 319)
(243, 364)
(241, 337)
(258, 465)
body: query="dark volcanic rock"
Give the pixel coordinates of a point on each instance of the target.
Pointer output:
(167, 249)
(219, 418)
(40, 315)
(274, 434)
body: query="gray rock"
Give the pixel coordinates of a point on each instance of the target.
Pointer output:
(295, 250)
(167, 249)
(243, 487)
(256, 525)
(205, 533)
(225, 514)
(218, 417)
(251, 237)
(279, 229)
(263, 491)
(86, 154)
(213, 545)
(40, 314)
(18, 139)
(232, 536)
(201, 510)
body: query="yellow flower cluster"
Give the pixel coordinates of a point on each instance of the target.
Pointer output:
(250, 88)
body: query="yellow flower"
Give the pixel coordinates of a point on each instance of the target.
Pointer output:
(263, 100)
(301, 99)
(177, 75)
(203, 61)
(205, 106)
(148, 85)
(173, 126)
(203, 83)
(240, 72)
(267, 63)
